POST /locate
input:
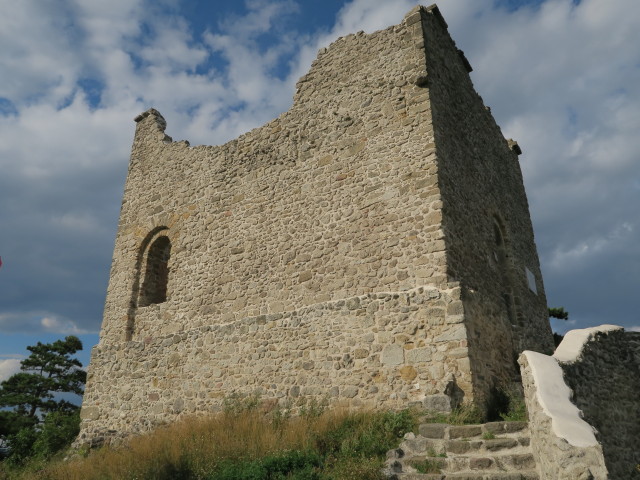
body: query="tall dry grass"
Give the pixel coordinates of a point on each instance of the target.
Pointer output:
(244, 443)
(194, 447)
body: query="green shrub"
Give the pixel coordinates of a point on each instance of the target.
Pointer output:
(236, 404)
(58, 431)
(517, 411)
(506, 404)
(289, 465)
(21, 446)
(427, 465)
(366, 434)
(466, 414)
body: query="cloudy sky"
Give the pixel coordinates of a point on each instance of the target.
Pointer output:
(562, 78)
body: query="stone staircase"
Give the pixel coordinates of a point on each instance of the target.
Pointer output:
(491, 451)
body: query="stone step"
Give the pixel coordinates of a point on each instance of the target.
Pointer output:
(528, 475)
(488, 445)
(487, 463)
(491, 451)
(453, 432)
(432, 447)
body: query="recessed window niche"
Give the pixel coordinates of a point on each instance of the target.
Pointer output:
(155, 275)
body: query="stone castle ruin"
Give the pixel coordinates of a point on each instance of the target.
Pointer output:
(371, 247)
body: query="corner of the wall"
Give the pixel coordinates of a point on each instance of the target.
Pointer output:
(430, 18)
(435, 11)
(419, 12)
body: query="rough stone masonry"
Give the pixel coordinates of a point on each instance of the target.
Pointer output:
(372, 247)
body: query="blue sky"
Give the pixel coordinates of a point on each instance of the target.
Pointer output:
(562, 78)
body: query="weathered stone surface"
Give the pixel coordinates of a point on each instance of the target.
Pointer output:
(458, 446)
(408, 373)
(89, 413)
(465, 458)
(554, 456)
(392, 355)
(605, 380)
(437, 403)
(361, 353)
(511, 427)
(345, 250)
(480, 463)
(495, 427)
(418, 355)
(432, 430)
(465, 431)
(500, 443)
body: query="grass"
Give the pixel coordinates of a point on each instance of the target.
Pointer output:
(517, 411)
(431, 452)
(466, 414)
(505, 405)
(427, 466)
(242, 443)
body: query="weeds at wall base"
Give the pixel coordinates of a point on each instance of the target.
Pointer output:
(466, 414)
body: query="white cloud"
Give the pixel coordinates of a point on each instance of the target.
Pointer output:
(59, 325)
(39, 322)
(38, 52)
(8, 366)
(370, 15)
(562, 79)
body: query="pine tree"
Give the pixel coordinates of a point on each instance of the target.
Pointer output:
(29, 395)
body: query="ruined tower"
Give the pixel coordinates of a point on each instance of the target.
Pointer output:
(371, 246)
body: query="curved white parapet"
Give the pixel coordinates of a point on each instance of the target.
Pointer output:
(574, 341)
(554, 396)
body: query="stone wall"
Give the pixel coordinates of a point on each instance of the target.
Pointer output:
(236, 267)
(377, 350)
(563, 445)
(605, 379)
(335, 198)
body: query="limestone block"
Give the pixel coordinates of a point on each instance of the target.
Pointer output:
(457, 332)
(408, 373)
(350, 391)
(90, 413)
(392, 355)
(437, 403)
(361, 353)
(418, 355)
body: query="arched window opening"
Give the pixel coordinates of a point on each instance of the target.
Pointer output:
(156, 273)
